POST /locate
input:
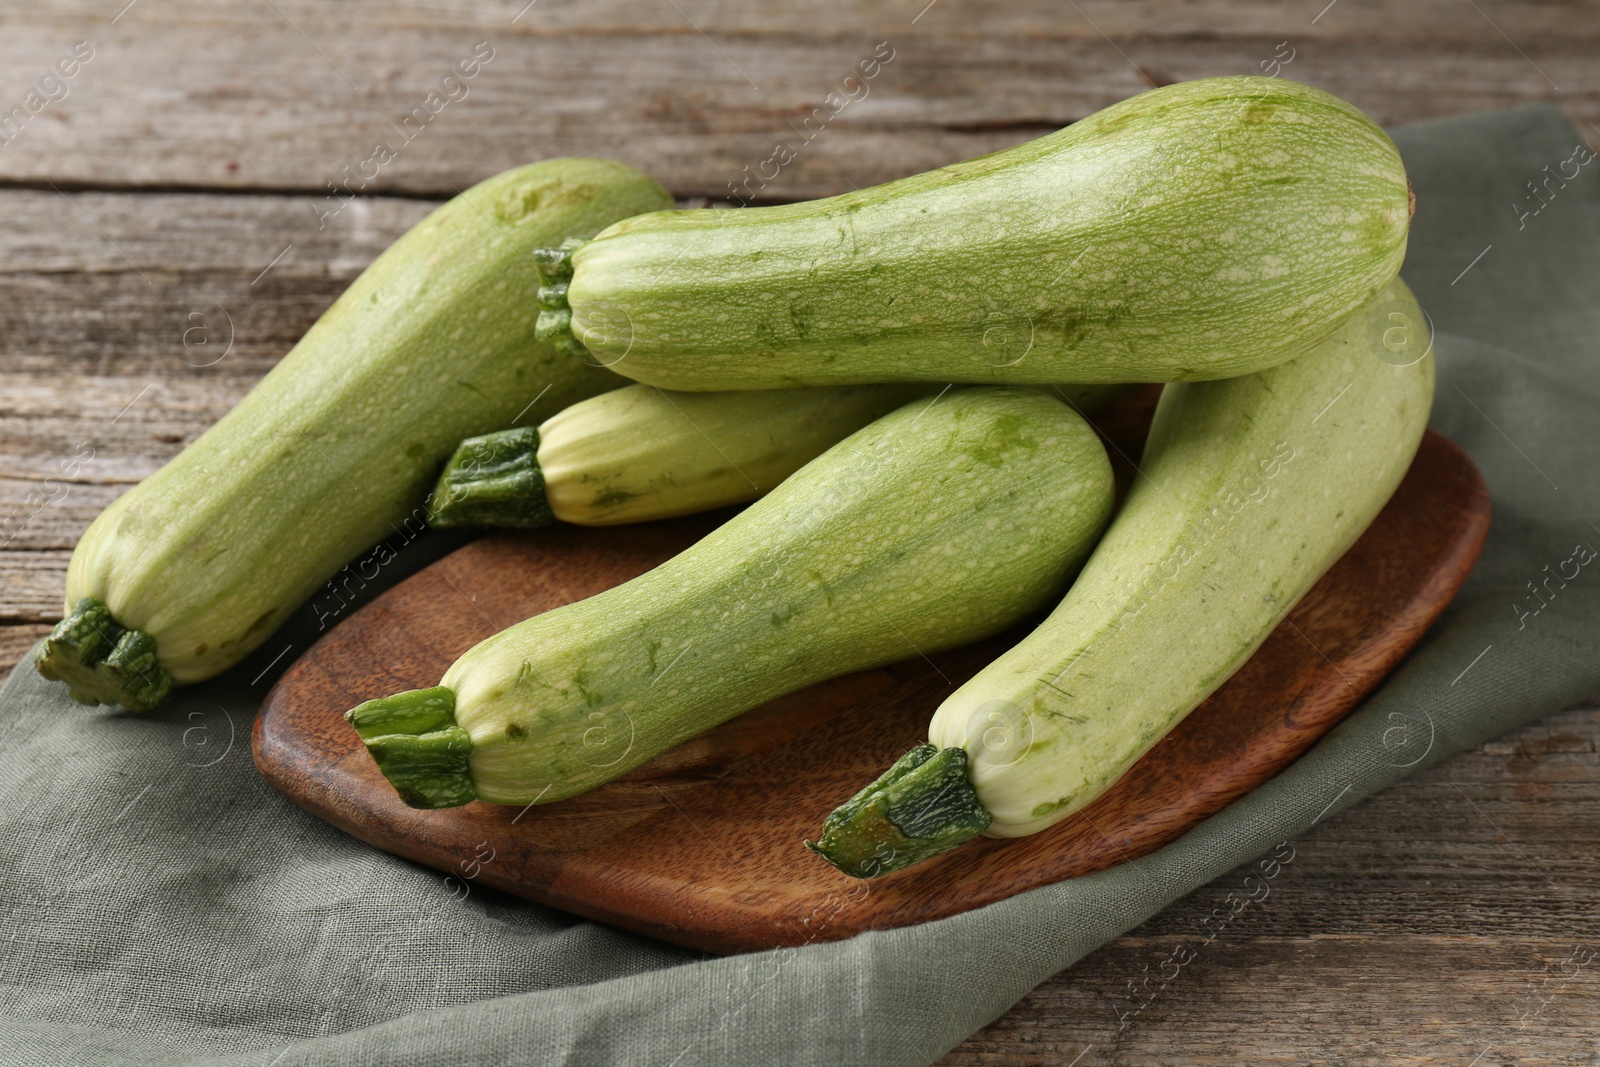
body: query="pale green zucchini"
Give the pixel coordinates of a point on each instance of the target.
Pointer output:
(1198, 231)
(184, 575)
(947, 520)
(640, 453)
(1250, 490)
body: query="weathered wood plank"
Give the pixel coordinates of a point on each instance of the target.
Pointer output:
(34, 585)
(1357, 19)
(15, 641)
(45, 232)
(255, 104)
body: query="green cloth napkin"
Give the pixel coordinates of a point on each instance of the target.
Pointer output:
(163, 905)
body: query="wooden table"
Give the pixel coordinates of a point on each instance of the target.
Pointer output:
(168, 229)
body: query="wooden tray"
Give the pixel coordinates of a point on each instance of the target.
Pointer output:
(701, 846)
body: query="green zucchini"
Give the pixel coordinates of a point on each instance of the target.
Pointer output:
(1250, 490)
(1198, 231)
(184, 575)
(944, 521)
(640, 453)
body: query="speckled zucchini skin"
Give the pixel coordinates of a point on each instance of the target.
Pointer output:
(1251, 489)
(1199, 231)
(940, 523)
(641, 453)
(342, 440)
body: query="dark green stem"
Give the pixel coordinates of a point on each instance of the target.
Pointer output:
(493, 480)
(417, 745)
(555, 316)
(102, 661)
(922, 806)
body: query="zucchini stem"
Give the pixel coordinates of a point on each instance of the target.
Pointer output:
(493, 480)
(414, 739)
(102, 661)
(555, 315)
(922, 806)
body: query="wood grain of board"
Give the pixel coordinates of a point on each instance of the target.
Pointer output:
(634, 852)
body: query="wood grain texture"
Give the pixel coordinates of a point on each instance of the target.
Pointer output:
(1360, 956)
(633, 852)
(285, 96)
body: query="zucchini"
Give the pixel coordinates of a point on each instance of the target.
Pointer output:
(943, 522)
(1198, 231)
(1251, 489)
(184, 575)
(641, 453)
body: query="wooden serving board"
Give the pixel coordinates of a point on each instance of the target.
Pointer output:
(702, 845)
